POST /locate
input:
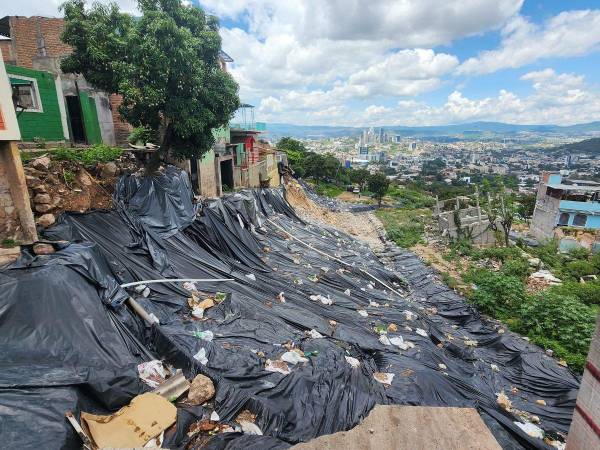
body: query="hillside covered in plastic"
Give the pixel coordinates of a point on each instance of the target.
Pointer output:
(310, 335)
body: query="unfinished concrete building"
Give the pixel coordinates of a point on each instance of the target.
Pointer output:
(465, 222)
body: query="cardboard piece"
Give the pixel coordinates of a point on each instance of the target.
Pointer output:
(132, 426)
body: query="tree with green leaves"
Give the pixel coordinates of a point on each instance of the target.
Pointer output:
(378, 184)
(164, 63)
(360, 176)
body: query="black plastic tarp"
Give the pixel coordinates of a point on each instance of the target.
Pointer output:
(232, 238)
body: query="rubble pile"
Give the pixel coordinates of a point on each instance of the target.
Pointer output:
(305, 333)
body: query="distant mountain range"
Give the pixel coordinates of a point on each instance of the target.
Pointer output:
(471, 130)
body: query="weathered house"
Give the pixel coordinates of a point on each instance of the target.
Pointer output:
(32, 49)
(568, 210)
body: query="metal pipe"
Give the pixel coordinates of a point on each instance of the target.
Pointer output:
(173, 280)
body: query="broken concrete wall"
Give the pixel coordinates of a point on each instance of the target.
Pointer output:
(472, 223)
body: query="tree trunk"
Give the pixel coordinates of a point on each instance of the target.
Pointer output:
(162, 150)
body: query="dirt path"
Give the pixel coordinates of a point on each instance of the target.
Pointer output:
(363, 226)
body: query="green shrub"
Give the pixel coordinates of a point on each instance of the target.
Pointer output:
(497, 253)
(88, 156)
(579, 253)
(563, 319)
(588, 293)
(574, 270)
(496, 294)
(517, 267)
(406, 235)
(595, 261)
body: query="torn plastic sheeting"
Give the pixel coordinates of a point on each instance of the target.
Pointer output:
(250, 319)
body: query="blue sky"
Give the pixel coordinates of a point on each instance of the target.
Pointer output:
(410, 62)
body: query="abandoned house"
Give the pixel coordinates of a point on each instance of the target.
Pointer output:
(568, 210)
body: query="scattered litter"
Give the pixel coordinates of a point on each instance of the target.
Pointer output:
(494, 367)
(347, 292)
(277, 366)
(313, 278)
(322, 299)
(333, 323)
(362, 312)
(503, 401)
(392, 328)
(531, 429)
(146, 292)
(139, 288)
(214, 417)
(381, 329)
(399, 342)
(549, 352)
(251, 276)
(220, 296)
(373, 304)
(147, 416)
(409, 315)
(541, 402)
(315, 334)
(384, 340)
(201, 357)
(293, 358)
(470, 343)
(250, 428)
(354, 363)
(198, 312)
(442, 366)
(188, 285)
(421, 332)
(153, 372)
(281, 298)
(384, 378)
(204, 335)
(174, 387)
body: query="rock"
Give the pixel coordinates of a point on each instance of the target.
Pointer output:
(52, 179)
(201, 390)
(32, 181)
(46, 220)
(41, 163)
(84, 178)
(43, 199)
(534, 262)
(43, 208)
(108, 170)
(43, 249)
(40, 189)
(549, 352)
(9, 255)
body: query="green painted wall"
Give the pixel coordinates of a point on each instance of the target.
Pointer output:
(90, 118)
(46, 124)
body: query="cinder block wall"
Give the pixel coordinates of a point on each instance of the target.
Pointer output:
(584, 433)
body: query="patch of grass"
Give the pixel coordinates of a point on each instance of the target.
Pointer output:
(88, 156)
(328, 189)
(405, 227)
(449, 280)
(410, 199)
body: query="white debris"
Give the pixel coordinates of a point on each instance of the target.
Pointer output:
(383, 377)
(442, 366)
(201, 357)
(281, 297)
(189, 286)
(204, 335)
(152, 372)
(470, 343)
(139, 288)
(495, 368)
(373, 304)
(384, 340)
(399, 342)
(250, 428)
(531, 429)
(370, 286)
(409, 315)
(214, 417)
(251, 276)
(315, 334)
(354, 363)
(293, 358)
(277, 366)
(146, 292)
(545, 275)
(153, 318)
(421, 332)
(322, 299)
(347, 292)
(362, 312)
(198, 312)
